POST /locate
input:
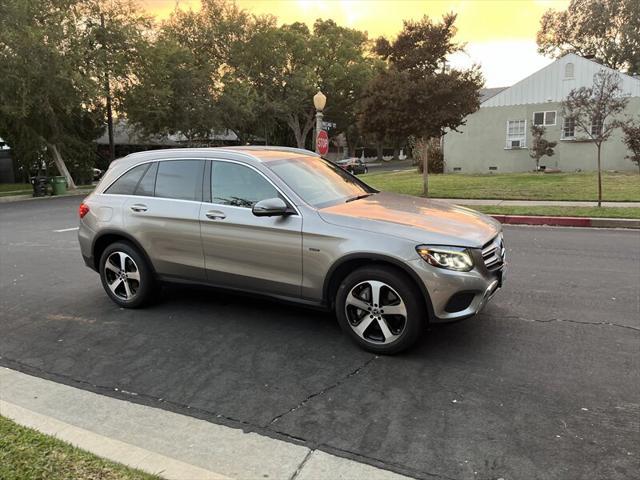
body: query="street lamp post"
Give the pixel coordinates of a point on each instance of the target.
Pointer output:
(319, 101)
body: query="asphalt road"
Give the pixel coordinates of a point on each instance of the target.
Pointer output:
(544, 385)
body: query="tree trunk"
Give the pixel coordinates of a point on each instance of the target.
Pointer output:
(112, 146)
(599, 177)
(300, 132)
(425, 167)
(379, 150)
(107, 92)
(62, 168)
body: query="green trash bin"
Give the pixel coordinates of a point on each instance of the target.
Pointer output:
(58, 185)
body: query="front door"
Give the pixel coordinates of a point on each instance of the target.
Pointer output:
(262, 254)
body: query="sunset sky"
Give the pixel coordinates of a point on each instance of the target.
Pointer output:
(500, 34)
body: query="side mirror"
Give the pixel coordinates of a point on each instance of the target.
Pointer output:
(270, 207)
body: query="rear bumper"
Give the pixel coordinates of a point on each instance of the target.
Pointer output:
(88, 261)
(85, 239)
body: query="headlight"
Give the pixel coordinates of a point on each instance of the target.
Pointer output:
(451, 258)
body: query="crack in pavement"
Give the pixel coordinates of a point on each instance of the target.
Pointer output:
(323, 391)
(565, 320)
(302, 464)
(207, 415)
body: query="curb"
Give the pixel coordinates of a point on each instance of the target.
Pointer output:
(157, 441)
(108, 448)
(569, 221)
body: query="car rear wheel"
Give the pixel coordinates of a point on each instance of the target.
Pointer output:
(126, 276)
(380, 309)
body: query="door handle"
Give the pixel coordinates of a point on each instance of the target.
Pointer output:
(139, 208)
(215, 215)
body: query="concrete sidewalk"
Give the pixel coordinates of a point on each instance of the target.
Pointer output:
(165, 443)
(535, 203)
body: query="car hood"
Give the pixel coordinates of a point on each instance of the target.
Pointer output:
(419, 219)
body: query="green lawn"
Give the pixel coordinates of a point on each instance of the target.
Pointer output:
(603, 212)
(27, 454)
(512, 186)
(14, 187)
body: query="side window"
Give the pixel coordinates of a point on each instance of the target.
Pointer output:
(239, 186)
(147, 184)
(127, 183)
(180, 179)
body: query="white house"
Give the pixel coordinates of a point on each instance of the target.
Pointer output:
(497, 136)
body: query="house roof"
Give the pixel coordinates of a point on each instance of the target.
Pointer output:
(487, 93)
(126, 134)
(553, 82)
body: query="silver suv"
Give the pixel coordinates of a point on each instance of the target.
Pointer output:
(286, 223)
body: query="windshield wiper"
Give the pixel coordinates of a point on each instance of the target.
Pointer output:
(358, 197)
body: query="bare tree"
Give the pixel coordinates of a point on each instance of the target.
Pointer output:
(540, 146)
(593, 111)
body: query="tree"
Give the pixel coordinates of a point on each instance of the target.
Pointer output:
(47, 89)
(540, 146)
(593, 111)
(286, 65)
(173, 94)
(606, 30)
(631, 139)
(344, 67)
(116, 38)
(419, 94)
(186, 83)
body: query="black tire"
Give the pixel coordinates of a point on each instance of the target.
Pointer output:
(142, 291)
(395, 284)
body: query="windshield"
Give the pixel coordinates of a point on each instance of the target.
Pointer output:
(319, 182)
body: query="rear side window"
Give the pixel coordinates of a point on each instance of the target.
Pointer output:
(239, 186)
(147, 184)
(128, 182)
(180, 179)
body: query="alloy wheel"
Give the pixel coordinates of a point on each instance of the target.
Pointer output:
(122, 275)
(376, 312)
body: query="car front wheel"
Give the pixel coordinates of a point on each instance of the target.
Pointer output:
(126, 276)
(380, 309)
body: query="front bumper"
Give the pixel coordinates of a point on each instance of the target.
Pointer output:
(458, 295)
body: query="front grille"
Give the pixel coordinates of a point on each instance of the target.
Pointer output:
(493, 253)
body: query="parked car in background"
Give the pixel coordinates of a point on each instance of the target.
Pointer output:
(353, 165)
(286, 223)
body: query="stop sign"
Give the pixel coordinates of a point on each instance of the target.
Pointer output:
(322, 142)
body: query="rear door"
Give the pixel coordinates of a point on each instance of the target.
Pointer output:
(241, 250)
(163, 215)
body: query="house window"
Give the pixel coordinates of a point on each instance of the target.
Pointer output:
(596, 127)
(569, 129)
(516, 134)
(568, 70)
(544, 118)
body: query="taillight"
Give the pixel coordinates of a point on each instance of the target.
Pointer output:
(83, 209)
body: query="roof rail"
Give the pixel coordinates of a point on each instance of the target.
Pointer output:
(269, 147)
